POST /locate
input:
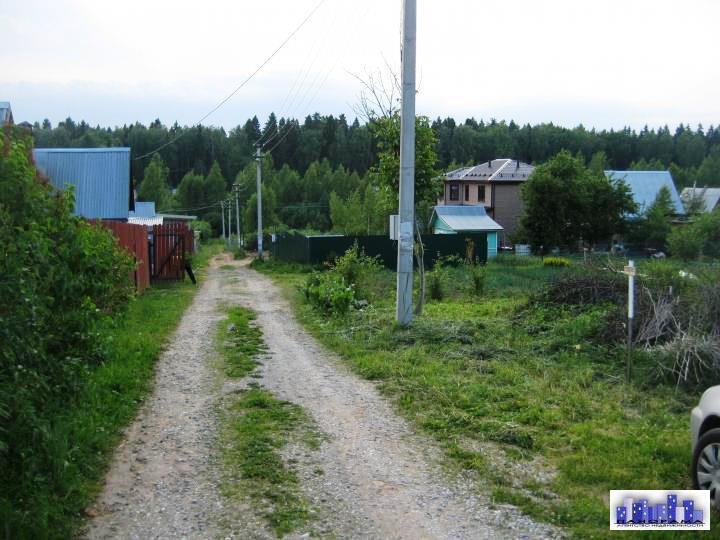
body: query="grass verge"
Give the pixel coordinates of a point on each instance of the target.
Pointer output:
(256, 427)
(85, 432)
(526, 398)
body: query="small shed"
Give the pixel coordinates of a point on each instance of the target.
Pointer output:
(452, 219)
(100, 177)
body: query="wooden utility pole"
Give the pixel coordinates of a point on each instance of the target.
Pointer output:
(404, 313)
(258, 158)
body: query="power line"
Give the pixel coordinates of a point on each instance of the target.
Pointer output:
(243, 83)
(317, 90)
(296, 89)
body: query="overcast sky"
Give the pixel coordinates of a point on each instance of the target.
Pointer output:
(607, 63)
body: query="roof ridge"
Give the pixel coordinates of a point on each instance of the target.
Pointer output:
(500, 169)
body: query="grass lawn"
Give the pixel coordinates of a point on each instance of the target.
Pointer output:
(525, 396)
(87, 430)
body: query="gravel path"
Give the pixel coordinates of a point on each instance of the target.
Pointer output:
(163, 481)
(380, 480)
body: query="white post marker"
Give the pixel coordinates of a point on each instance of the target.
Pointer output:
(404, 312)
(630, 272)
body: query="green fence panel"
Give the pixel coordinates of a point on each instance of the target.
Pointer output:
(295, 247)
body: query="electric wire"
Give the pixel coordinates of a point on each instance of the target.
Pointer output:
(242, 84)
(304, 72)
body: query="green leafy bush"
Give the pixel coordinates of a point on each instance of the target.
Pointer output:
(557, 262)
(204, 227)
(355, 267)
(701, 238)
(437, 280)
(62, 279)
(329, 293)
(238, 252)
(479, 274)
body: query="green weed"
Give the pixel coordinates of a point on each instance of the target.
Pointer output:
(239, 341)
(258, 426)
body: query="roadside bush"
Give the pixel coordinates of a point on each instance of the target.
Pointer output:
(437, 280)
(204, 227)
(478, 279)
(557, 262)
(357, 269)
(62, 279)
(685, 243)
(698, 239)
(238, 253)
(329, 293)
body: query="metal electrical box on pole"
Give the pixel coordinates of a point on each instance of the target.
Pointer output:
(404, 312)
(258, 158)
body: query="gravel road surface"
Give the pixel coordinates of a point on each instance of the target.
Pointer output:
(380, 479)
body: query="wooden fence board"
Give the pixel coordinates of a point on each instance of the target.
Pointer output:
(134, 239)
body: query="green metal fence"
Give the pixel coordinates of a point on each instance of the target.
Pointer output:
(295, 247)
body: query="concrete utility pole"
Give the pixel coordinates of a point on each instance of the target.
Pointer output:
(222, 216)
(229, 238)
(258, 158)
(404, 312)
(236, 189)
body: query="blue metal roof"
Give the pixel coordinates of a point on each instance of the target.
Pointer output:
(465, 218)
(5, 113)
(101, 177)
(143, 209)
(645, 186)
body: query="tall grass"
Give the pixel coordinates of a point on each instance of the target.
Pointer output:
(525, 396)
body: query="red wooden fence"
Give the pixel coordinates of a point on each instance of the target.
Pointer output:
(170, 245)
(134, 238)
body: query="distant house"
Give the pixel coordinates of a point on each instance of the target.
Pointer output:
(709, 196)
(494, 186)
(645, 186)
(100, 177)
(144, 214)
(6, 116)
(452, 219)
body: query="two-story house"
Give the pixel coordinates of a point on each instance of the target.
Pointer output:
(495, 185)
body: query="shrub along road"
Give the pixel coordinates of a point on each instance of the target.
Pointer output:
(370, 476)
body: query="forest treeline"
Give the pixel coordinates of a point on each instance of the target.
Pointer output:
(327, 174)
(691, 154)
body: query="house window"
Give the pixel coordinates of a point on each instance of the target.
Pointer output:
(481, 193)
(454, 192)
(467, 193)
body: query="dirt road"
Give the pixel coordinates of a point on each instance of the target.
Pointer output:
(380, 480)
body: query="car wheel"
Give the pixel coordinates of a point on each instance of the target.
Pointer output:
(706, 464)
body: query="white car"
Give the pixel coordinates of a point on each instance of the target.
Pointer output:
(705, 428)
